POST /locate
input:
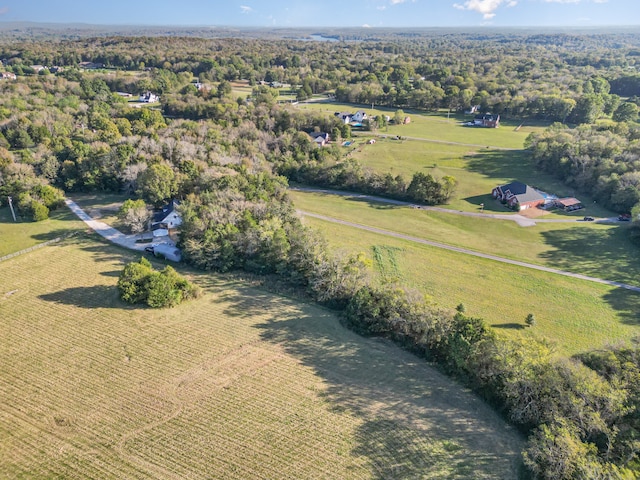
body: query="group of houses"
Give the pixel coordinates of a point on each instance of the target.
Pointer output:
(520, 196)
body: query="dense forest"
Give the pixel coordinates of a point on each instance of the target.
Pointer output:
(229, 160)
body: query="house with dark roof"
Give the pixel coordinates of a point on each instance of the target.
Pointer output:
(359, 117)
(149, 97)
(518, 195)
(486, 120)
(167, 217)
(344, 116)
(320, 138)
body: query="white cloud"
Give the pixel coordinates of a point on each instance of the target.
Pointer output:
(395, 2)
(366, 25)
(512, 3)
(486, 7)
(246, 9)
(381, 7)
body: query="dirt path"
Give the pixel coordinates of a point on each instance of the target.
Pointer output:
(470, 252)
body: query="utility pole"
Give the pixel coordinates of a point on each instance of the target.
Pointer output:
(13, 214)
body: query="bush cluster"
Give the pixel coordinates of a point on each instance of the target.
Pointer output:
(140, 283)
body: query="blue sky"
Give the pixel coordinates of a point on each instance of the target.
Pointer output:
(299, 13)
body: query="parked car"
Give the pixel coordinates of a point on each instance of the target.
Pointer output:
(625, 217)
(588, 219)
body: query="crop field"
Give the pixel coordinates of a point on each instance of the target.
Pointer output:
(574, 315)
(237, 384)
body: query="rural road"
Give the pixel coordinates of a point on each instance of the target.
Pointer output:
(513, 217)
(469, 252)
(110, 233)
(129, 241)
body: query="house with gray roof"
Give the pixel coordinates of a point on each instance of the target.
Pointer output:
(518, 195)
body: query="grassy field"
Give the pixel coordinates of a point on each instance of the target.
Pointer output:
(24, 234)
(477, 171)
(574, 315)
(598, 250)
(237, 384)
(436, 126)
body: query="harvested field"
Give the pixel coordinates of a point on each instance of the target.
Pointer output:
(238, 384)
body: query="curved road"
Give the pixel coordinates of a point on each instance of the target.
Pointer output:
(469, 252)
(104, 230)
(129, 241)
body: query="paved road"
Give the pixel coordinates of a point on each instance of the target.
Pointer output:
(110, 233)
(512, 217)
(469, 252)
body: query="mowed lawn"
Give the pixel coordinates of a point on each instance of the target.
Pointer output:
(598, 250)
(466, 153)
(237, 384)
(25, 234)
(574, 315)
(477, 172)
(436, 126)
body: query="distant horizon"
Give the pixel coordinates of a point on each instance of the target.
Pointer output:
(332, 14)
(316, 27)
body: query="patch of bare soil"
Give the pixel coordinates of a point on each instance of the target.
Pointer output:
(533, 212)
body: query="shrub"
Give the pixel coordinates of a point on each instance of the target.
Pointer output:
(140, 283)
(39, 211)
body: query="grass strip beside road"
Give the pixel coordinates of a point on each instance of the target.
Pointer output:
(572, 314)
(595, 250)
(471, 252)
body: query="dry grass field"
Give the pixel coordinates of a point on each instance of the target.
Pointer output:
(237, 384)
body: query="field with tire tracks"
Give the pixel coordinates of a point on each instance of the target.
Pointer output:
(240, 383)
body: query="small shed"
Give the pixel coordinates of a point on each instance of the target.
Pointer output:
(569, 204)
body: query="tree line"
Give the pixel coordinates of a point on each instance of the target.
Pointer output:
(230, 159)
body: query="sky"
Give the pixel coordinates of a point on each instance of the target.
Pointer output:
(327, 13)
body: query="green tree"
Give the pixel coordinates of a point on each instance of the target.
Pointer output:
(135, 215)
(157, 184)
(626, 112)
(133, 281)
(556, 452)
(588, 108)
(530, 320)
(398, 117)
